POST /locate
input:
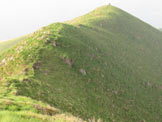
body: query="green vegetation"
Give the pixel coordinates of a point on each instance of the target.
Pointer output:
(103, 66)
(160, 29)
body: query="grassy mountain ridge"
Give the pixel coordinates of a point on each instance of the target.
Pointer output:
(104, 65)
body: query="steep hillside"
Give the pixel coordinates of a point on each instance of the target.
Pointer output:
(103, 66)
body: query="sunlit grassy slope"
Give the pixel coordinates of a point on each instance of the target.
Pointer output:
(106, 65)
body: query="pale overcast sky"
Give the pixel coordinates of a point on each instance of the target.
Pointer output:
(20, 17)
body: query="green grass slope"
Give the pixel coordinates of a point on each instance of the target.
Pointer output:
(103, 66)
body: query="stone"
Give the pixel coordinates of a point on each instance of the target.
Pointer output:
(83, 71)
(54, 44)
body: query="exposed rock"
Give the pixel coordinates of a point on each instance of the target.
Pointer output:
(83, 71)
(11, 58)
(69, 61)
(4, 61)
(54, 44)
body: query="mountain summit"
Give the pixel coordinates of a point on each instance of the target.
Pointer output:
(103, 66)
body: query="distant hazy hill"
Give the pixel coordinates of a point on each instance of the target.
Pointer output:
(4, 45)
(160, 29)
(105, 66)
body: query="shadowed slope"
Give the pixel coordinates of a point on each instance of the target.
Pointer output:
(104, 65)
